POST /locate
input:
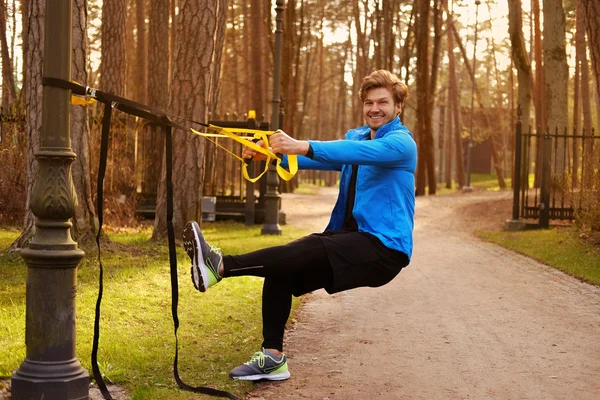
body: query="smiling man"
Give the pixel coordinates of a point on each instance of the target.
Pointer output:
(369, 236)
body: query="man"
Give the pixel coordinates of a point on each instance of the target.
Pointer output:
(368, 239)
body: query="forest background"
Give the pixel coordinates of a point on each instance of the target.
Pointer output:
(205, 60)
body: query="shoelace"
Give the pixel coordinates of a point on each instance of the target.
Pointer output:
(215, 249)
(258, 356)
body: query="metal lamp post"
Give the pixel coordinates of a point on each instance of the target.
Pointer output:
(468, 187)
(50, 369)
(272, 196)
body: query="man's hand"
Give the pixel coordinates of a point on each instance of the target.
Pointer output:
(281, 142)
(247, 152)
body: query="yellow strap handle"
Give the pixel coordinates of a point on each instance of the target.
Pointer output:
(247, 141)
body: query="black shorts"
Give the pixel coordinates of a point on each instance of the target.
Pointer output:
(360, 259)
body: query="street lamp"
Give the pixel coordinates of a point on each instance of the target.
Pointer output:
(50, 369)
(467, 187)
(272, 196)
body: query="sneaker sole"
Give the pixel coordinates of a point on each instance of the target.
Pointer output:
(271, 377)
(191, 244)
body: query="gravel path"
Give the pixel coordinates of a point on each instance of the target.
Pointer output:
(466, 319)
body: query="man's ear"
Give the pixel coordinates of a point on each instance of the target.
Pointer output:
(398, 108)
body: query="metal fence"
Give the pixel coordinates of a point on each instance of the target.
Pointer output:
(553, 171)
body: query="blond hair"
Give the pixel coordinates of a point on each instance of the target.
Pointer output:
(384, 78)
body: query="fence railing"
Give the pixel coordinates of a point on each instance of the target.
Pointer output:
(554, 172)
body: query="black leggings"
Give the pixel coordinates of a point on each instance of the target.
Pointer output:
(296, 268)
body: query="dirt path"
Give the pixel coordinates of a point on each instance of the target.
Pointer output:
(466, 320)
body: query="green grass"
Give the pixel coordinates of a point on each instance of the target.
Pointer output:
(218, 330)
(560, 248)
(479, 182)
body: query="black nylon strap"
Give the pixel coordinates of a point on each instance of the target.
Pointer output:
(173, 269)
(151, 114)
(129, 106)
(64, 84)
(101, 172)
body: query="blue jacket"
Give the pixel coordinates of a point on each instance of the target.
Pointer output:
(384, 203)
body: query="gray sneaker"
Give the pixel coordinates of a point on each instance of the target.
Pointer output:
(262, 365)
(206, 259)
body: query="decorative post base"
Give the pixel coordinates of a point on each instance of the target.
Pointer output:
(65, 380)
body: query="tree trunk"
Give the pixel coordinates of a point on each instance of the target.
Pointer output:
(592, 22)
(195, 55)
(556, 76)
(141, 76)
(447, 148)
(436, 53)
(391, 19)
(85, 222)
(8, 82)
(499, 159)
(25, 7)
(246, 52)
(112, 67)
(257, 58)
(33, 107)
(406, 52)
(112, 79)
(172, 35)
(454, 96)
(152, 143)
(586, 108)
(425, 168)
(131, 61)
(540, 122)
(319, 75)
(361, 61)
(287, 67)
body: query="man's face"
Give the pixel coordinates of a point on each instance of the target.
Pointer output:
(379, 107)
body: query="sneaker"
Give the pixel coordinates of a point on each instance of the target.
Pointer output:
(206, 259)
(262, 365)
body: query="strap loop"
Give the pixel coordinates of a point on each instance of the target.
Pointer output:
(111, 101)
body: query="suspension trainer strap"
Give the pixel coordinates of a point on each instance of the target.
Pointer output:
(173, 268)
(101, 172)
(111, 101)
(153, 114)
